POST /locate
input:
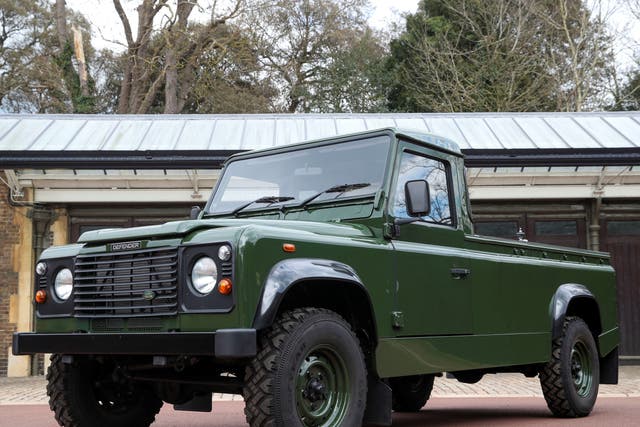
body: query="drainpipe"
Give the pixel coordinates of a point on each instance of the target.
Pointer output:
(594, 227)
(41, 218)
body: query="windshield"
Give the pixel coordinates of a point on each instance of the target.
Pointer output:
(302, 177)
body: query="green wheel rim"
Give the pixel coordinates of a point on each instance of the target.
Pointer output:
(322, 388)
(581, 368)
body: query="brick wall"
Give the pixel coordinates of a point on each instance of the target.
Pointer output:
(9, 235)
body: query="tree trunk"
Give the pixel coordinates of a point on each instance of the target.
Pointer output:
(171, 82)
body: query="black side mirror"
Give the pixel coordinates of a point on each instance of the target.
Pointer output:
(195, 212)
(417, 197)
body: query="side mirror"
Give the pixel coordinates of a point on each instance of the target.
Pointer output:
(417, 197)
(195, 212)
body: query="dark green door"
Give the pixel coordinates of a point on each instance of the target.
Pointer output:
(433, 289)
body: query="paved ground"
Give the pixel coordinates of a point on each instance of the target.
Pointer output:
(468, 411)
(32, 390)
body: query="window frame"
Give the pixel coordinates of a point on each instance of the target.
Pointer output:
(449, 180)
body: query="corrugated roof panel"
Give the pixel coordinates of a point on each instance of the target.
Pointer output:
(446, 126)
(236, 132)
(162, 135)
(605, 134)
(24, 134)
(195, 135)
(379, 122)
(5, 125)
(416, 124)
(258, 134)
(289, 131)
(93, 134)
(317, 128)
(58, 136)
(626, 126)
(540, 132)
(477, 133)
(128, 135)
(509, 133)
(353, 125)
(227, 134)
(571, 132)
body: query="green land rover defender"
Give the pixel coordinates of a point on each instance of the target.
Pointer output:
(328, 283)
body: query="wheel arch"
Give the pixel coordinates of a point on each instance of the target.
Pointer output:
(572, 299)
(319, 283)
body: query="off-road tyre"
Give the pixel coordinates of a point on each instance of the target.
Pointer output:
(411, 393)
(570, 380)
(309, 370)
(73, 397)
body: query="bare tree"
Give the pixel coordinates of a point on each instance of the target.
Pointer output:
(295, 39)
(164, 51)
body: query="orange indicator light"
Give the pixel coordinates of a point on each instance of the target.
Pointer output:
(41, 297)
(225, 286)
(289, 247)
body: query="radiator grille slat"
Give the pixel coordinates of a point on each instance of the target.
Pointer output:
(126, 284)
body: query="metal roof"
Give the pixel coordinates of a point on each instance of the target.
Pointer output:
(157, 140)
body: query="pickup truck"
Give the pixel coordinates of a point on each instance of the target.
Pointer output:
(327, 282)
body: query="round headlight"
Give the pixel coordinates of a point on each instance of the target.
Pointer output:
(224, 253)
(204, 275)
(41, 268)
(63, 284)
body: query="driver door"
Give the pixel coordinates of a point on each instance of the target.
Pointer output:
(433, 289)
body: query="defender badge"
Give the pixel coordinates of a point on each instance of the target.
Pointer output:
(125, 246)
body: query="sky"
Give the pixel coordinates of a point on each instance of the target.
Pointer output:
(107, 25)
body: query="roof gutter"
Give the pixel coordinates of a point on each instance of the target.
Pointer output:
(206, 159)
(484, 158)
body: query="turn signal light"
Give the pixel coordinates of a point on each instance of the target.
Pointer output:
(289, 247)
(41, 296)
(225, 286)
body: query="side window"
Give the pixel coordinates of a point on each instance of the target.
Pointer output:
(413, 166)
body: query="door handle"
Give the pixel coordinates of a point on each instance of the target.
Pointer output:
(460, 273)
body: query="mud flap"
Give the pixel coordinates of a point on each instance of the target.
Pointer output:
(378, 410)
(200, 402)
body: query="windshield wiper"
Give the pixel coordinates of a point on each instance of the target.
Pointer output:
(343, 188)
(268, 199)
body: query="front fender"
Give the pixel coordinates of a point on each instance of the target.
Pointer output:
(287, 273)
(561, 301)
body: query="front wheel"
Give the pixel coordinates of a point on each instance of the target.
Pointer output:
(571, 378)
(85, 393)
(309, 371)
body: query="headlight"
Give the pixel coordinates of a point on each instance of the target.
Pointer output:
(224, 253)
(63, 284)
(41, 268)
(204, 275)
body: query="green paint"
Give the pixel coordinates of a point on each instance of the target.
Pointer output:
(443, 299)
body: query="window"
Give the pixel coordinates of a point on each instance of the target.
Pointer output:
(556, 228)
(413, 166)
(623, 228)
(504, 229)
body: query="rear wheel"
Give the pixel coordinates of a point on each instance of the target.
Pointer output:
(87, 393)
(411, 393)
(309, 371)
(571, 378)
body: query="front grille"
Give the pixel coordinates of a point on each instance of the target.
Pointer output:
(126, 284)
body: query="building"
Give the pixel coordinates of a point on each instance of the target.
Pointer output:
(565, 178)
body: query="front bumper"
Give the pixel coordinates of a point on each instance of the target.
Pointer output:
(224, 343)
